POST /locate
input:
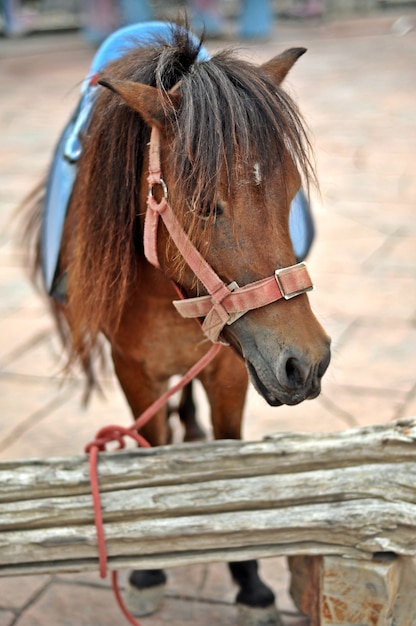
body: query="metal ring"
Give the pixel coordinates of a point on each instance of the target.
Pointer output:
(164, 186)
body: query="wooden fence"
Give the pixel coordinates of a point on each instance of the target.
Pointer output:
(348, 496)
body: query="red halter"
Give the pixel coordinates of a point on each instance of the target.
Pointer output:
(224, 304)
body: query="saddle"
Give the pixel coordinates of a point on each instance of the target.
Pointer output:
(64, 168)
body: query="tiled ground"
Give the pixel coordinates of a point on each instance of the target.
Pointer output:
(357, 88)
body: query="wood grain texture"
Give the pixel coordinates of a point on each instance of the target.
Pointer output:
(349, 494)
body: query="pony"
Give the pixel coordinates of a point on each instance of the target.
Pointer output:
(233, 152)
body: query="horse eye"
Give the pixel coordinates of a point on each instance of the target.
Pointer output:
(216, 210)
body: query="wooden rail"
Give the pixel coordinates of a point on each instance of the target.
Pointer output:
(349, 493)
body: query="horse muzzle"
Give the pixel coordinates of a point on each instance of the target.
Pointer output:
(289, 378)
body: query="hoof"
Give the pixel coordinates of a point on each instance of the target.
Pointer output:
(195, 437)
(254, 616)
(141, 602)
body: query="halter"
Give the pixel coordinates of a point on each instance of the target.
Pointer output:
(224, 304)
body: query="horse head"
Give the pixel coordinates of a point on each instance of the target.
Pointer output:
(233, 155)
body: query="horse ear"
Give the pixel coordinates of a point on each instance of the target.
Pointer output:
(280, 65)
(144, 99)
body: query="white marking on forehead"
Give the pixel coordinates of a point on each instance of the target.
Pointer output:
(257, 173)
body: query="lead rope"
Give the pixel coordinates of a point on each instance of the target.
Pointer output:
(119, 433)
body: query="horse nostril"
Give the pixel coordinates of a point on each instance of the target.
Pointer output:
(323, 365)
(296, 373)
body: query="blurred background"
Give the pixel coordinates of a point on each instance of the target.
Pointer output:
(28, 16)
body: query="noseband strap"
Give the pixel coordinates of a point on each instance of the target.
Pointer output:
(224, 304)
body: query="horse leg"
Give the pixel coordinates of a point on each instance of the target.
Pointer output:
(255, 600)
(188, 416)
(146, 587)
(145, 591)
(225, 384)
(225, 381)
(141, 390)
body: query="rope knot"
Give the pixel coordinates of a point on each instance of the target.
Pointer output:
(112, 433)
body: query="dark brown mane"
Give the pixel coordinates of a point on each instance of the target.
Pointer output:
(232, 116)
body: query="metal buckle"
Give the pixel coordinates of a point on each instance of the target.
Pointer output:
(279, 273)
(233, 286)
(234, 316)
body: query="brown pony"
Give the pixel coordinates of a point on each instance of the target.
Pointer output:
(233, 155)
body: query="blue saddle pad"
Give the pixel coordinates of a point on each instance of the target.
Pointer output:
(64, 167)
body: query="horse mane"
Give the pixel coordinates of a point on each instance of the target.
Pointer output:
(229, 108)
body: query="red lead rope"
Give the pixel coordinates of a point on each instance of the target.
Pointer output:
(119, 433)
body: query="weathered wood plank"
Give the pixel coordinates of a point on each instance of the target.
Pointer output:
(389, 481)
(329, 494)
(283, 453)
(370, 526)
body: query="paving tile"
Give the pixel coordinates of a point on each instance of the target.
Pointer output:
(213, 582)
(359, 187)
(15, 189)
(355, 243)
(203, 582)
(15, 593)
(314, 416)
(378, 357)
(61, 427)
(409, 407)
(95, 606)
(14, 291)
(387, 217)
(295, 620)
(71, 605)
(396, 258)
(92, 579)
(10, 255)
(6, 618)
(210, 583)
(360, 295)
(21, 329)
(336, 226)
(42, 355)
(23, 405)
(33, 348)
(351, 254)
(179, 612)
(7, 213)
(363, 407)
